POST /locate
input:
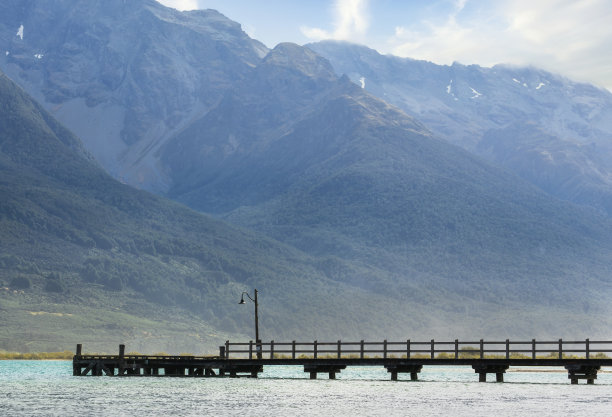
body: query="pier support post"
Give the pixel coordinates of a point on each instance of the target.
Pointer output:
(331, 370)
(237, 371)
(576, 372)
(482, 369)
(395, 369)
(76, 369)
(121, 367)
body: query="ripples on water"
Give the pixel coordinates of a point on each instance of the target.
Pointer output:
(47, 388)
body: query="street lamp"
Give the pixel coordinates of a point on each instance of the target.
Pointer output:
(254, 300)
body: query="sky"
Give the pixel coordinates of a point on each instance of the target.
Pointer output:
(568, 37)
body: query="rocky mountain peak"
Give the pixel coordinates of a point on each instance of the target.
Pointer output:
(291, 56)
(124, 75)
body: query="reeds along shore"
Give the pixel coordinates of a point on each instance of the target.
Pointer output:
(9, 356)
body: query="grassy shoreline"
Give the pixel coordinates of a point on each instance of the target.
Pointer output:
(41, 356)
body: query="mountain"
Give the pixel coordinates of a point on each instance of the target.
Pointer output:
(551, 131)
(85, 259)
(123, 75)
(313, 160)
(364, 224)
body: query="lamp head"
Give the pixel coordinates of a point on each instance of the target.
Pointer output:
(241, 299)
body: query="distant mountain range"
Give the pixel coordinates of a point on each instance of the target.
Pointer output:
(555, 133)
(365, 221)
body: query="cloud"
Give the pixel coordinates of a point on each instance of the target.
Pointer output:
(181, 4)
(564, 36)
(351, 22)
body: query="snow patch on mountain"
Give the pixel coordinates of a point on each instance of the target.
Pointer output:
(38, 56)
(362, 81)
(20, 32)
(520, 82)
(476, 93)
(547, 155)
(449, 90)
(540, 86)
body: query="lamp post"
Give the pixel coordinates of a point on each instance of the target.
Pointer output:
(254, 300)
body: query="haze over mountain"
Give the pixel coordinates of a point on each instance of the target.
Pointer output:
(388, 230)
(123, 75)
(85, 259)
(551, 131)
(337, 172)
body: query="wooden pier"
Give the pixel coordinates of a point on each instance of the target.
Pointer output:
(581, 359)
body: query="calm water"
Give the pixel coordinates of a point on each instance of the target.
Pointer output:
(33, 388)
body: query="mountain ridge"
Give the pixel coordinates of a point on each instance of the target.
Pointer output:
(356, 179)
(470, 105)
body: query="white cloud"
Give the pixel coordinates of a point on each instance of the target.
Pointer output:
(351, 22)
(564, 36)
(181, 4)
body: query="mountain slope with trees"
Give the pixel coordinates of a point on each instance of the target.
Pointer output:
(85, 259)
(341, 174)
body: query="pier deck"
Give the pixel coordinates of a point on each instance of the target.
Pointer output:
(581, 359)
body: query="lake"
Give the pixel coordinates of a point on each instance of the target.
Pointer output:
(47, 388)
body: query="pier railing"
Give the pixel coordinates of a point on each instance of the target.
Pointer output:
(481, 349)
(582, 359)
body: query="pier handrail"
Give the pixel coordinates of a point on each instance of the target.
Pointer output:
(456, 349)
(148, 357)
